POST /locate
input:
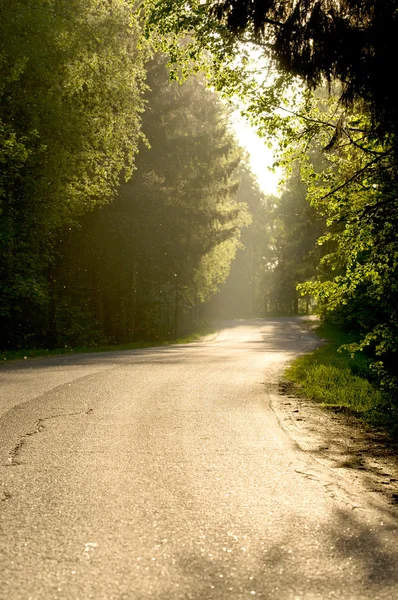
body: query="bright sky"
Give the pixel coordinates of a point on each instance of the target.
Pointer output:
(261, 157)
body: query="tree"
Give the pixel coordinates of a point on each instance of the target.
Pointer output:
(70, 104)
(243, 293)
(143, 266)
(293, 255)
(356, 194)
(352, 41)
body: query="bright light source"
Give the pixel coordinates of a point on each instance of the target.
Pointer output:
(261, 157)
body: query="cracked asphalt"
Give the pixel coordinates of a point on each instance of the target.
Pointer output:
(168, 473)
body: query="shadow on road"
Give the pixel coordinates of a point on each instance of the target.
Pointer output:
(358, 565)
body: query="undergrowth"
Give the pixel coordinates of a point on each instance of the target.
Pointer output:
(330, 376)
(43, 352)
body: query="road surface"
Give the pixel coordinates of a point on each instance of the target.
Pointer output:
(165, 474)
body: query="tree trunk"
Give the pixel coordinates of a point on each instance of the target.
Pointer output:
(52, 335)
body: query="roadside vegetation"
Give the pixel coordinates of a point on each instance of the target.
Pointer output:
(336, 379)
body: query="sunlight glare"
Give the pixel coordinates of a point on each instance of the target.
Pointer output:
(261, 158)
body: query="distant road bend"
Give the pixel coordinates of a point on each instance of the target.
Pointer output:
(165, 474)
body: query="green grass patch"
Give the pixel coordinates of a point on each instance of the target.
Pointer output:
(7, 356)
(333, 377)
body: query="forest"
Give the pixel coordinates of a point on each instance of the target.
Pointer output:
(128, 210)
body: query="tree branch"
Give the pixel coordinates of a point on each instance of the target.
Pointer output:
(355, 143)
(357, 174)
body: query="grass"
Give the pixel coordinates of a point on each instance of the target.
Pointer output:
(14, 355)
(332, 378)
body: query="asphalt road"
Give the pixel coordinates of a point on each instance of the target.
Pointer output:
(164, 473)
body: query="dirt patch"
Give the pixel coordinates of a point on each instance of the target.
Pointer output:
(337, 440)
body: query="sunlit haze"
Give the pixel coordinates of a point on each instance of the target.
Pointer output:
(260, 156)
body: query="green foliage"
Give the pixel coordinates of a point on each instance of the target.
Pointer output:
(355, 192)
(242, 295)
(352, 42)
(141, 267)
(331, 376)
(278, 251)
(71, 95)
(70, 104)
(293, 255)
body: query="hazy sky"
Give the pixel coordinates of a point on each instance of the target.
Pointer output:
(261, 157)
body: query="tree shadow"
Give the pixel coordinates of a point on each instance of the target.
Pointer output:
(344, 558)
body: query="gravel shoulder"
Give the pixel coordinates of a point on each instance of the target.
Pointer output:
(337, 440)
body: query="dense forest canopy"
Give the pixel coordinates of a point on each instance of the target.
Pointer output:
(79, 269)
(149, 260)
(352, 41)
(71, 96)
